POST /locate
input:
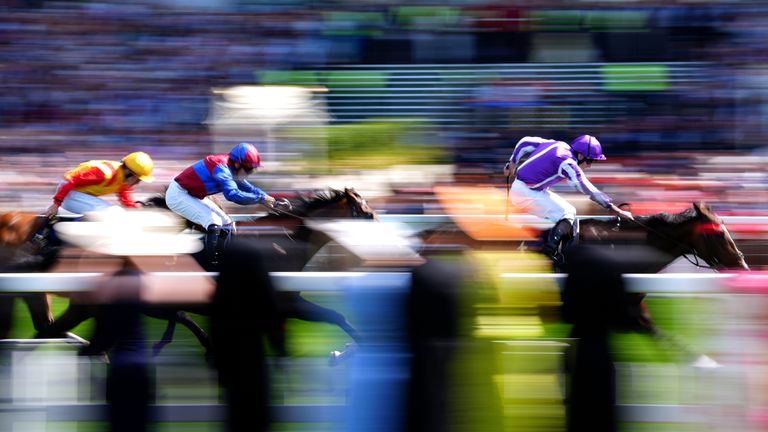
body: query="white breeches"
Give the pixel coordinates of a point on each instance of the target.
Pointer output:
(82, 203)
(200, 211)
(544, 204)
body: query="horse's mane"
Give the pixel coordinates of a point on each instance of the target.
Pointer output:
(664, 218)
(669, 218)
(303, 205)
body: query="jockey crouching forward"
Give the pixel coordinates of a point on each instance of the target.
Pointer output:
(539, 164)
(187, 195)
(83, 185)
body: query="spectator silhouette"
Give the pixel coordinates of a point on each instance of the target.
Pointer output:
(595, 302)
(432, 330)
(119, 332)
(244, 309)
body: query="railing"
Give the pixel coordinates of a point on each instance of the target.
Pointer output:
(665, 284)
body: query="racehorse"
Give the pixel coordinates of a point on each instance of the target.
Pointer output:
(696, 233)
(287, 244)
(22, 250)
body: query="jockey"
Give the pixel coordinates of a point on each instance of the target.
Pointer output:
(83, 185)
(540, 163)
(187, 195)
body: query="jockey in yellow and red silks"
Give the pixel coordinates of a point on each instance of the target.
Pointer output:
(82, 186)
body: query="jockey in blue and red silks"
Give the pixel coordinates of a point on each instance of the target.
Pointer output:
(539, 163)
(188, 193)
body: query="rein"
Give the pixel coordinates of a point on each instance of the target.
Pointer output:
(694, 261)
(285, 212)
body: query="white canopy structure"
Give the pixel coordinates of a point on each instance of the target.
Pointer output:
(285, 122)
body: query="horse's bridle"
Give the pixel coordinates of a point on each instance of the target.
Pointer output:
(356, 209)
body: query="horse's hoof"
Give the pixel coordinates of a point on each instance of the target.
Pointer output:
(336, 357)
(156, 350)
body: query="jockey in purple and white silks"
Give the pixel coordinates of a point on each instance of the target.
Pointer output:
(539, 163)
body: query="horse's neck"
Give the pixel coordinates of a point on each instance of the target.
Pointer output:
(627, 235)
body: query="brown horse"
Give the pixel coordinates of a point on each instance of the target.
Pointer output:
(286, 243)
(21, 252)
(696, 233)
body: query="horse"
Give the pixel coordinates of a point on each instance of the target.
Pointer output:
(287, 244)
(26, 245)
(696, 233)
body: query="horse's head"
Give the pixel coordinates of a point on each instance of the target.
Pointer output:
(707, 235)
(16, 228)
(358, 206)
(335, 204)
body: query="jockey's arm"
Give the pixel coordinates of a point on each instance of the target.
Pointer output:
(571, 171)
(622, 213)
(232, 191)
(125, 196)
(248, 187)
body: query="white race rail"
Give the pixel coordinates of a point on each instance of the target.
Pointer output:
(334, 281)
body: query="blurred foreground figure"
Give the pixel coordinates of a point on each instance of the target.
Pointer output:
(595, 302)
(83, 185)
(244, 310)
(432, 331)
(120, 333)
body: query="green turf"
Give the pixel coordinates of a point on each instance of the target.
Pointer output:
(476, 401)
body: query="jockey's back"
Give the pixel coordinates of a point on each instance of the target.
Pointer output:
(204, 177)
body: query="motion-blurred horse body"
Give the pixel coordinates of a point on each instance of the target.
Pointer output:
(696, 233)
(287, 242)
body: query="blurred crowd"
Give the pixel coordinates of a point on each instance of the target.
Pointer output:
(92, 78)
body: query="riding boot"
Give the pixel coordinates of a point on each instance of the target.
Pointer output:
(560, 232)
(212, 243)
(224, 239)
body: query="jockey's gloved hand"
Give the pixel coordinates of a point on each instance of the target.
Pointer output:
(283, 204)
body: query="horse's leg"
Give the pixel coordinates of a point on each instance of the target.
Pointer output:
(170, 328)
(184, 319)
(293, 305)
(167, 337)
(71, 318)
(39, 306)
(173, 317)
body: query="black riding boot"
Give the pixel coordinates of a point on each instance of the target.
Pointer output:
(212, 243)
(557, 235)
(224, 239)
